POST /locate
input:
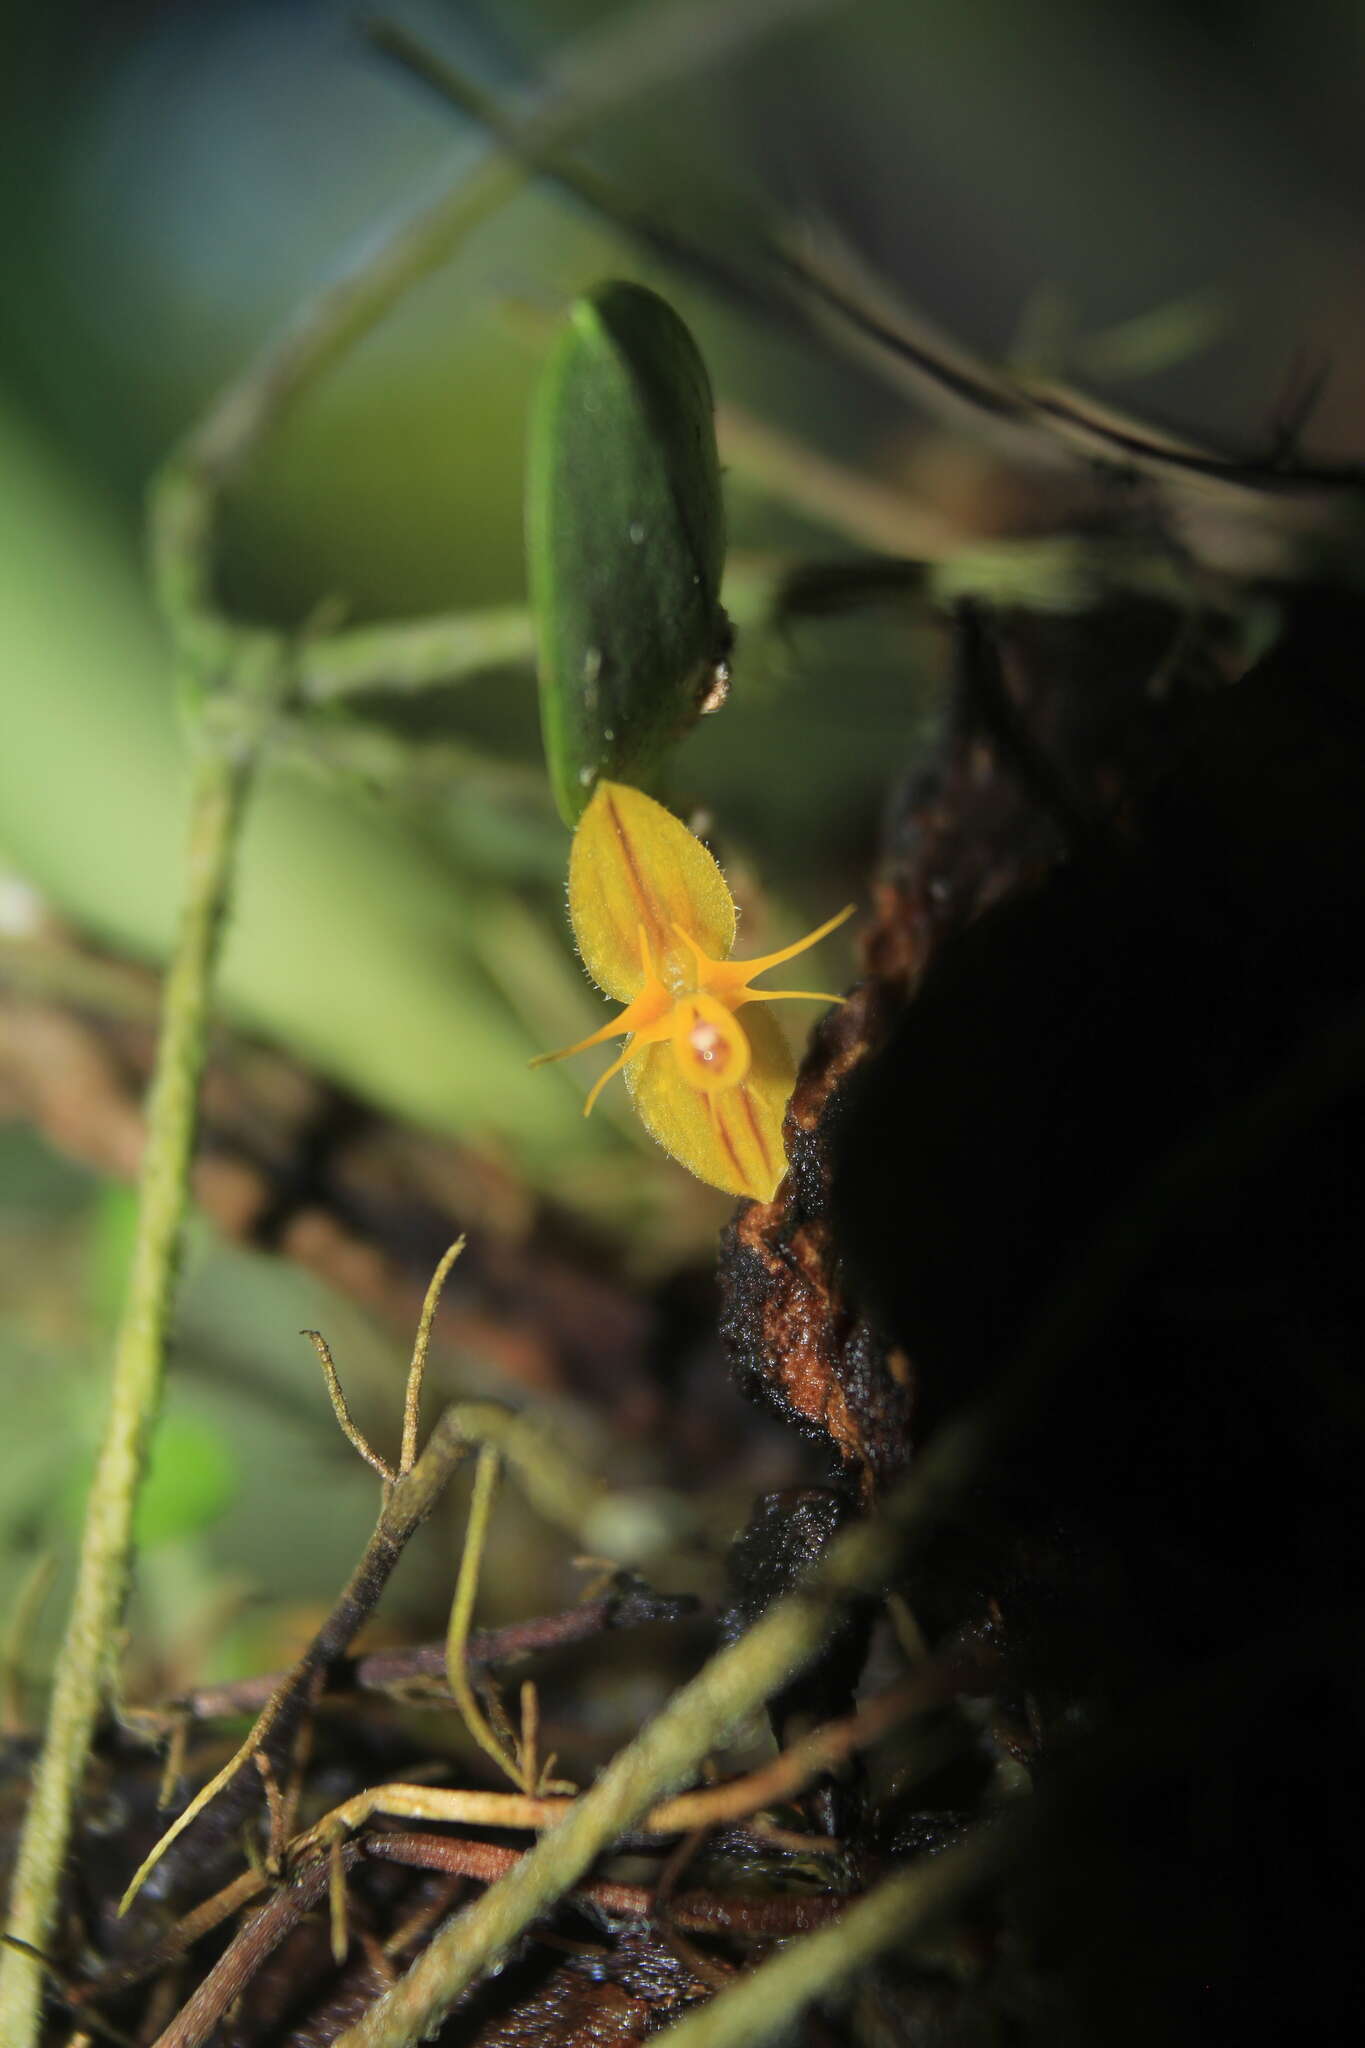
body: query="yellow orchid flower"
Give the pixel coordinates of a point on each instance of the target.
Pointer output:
(655, 922)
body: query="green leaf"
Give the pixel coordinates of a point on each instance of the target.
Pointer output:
(190, 1482)
(625, 533)
(349, 936)
(109, 1254)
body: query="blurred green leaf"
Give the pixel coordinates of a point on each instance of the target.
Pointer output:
(113, 1226)
(35, 1181)
(190, 1483)
(192, 1479)
(349, 938)
(625, 531)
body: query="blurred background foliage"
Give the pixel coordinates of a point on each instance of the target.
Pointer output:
(1164, 203)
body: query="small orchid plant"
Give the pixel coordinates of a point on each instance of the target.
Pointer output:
(655, 922)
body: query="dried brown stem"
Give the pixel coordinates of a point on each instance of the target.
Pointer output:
(487, 1649)
(346, 1422)
(248, 1949)
(772, 1918)
(409, 1503)
(684, 1814)
(827, 297)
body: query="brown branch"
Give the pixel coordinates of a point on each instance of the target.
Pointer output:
(489, 1649)
(683, 1814)
(341, 1408)
(771, 1917)
(249, 1948)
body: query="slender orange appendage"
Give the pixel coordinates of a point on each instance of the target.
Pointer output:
(602, 1037)
(792, 995)
(729, 979)
(644, 1009)
(651, 1034)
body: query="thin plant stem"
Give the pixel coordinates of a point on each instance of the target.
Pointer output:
(767, 1915)
(341, 1408)
(462, 1612)
(393, 1670)
(699, 1718)
(412, 1397)
(218, 795)
(336, 1901)
(406, 656)
(876, 515)
(690, 1813)
(530, 1736)
(249, 1947)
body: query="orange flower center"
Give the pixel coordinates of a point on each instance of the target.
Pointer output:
(709, 1044)
(696, 1014)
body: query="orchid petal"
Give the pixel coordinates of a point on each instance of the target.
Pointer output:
(652, 1003)
(730, 979)
(732, 1138)
(635, 867)
(790, 995)
(650, 1036)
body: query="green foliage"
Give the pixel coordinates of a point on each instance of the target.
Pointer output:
(109, 1249)
(350, 940)
(190, 1482)
(625, 531)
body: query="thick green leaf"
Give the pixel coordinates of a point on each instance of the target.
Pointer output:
(626, 541)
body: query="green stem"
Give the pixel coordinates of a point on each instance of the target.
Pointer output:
(605, 72)
(221, 778)
(415, 654)
(405, 655)
(462, 1614)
